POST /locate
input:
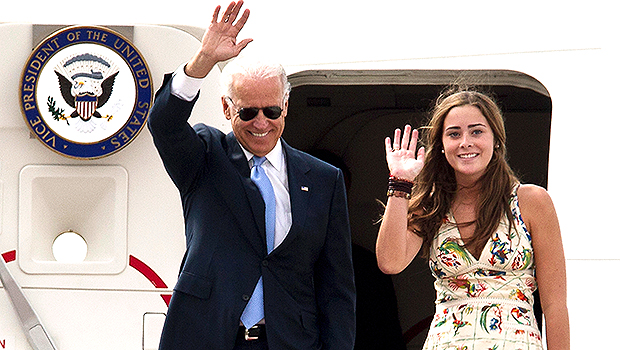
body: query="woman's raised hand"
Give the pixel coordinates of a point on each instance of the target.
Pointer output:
(402, 159)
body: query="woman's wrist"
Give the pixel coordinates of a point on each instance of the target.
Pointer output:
(399, 187)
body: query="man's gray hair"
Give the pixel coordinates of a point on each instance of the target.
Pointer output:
(252, 68)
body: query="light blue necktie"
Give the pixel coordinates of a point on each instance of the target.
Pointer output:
(254, 310)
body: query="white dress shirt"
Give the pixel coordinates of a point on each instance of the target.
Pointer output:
(186, 88)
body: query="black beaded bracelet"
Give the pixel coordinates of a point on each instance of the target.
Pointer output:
(395, 193)
(398, 187)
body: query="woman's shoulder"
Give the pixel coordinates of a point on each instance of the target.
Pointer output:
(529, 193)
(534, 200)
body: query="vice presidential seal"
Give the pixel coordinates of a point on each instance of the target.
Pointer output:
(86, 92)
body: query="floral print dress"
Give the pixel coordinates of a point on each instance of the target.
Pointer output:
(484, 303)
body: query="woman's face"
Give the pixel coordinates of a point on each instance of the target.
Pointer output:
(468, 143)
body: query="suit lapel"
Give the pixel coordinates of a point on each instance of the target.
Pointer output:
(252, 216)
(299, 189)
(250, 213)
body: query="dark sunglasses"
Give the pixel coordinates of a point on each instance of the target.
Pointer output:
(249, 113)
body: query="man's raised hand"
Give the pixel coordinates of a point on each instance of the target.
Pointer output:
(219, 42)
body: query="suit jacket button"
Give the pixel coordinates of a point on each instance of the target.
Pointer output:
(245, 297)
(265, 263)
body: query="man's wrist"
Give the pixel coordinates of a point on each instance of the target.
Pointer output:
(199, 66)
(184, 86)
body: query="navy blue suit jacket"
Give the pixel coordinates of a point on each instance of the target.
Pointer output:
(308, 279)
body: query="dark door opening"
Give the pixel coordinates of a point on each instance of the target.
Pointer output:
(343, 118)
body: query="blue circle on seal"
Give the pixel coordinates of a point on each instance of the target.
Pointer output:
(86, 92)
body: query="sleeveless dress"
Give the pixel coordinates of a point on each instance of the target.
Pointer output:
(484, 303)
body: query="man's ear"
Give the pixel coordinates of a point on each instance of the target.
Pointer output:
(226, 107)
(285, 109)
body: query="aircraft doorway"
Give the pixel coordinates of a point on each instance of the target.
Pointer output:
(343, 117)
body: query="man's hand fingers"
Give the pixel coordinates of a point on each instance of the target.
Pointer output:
(244, 18)
(216, 14)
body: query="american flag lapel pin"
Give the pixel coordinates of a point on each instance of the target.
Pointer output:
(304, 188)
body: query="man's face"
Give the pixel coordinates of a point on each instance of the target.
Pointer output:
(260, 134)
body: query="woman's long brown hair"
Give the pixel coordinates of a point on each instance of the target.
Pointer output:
(436, 185)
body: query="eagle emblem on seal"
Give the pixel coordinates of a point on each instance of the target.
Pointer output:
(86, 82)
